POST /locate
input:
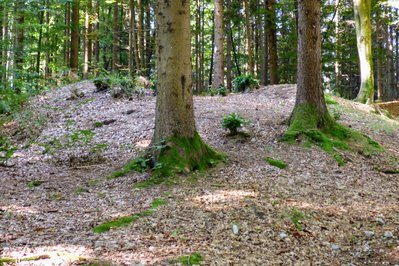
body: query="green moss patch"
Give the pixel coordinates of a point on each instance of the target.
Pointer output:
(192, 259)
(183, 155)
(277, 163)
(139, 164)
(35, 183)
(126, 220)
(329, 99)
(323, 131)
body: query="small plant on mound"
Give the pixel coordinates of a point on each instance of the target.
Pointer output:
(331, 137)
(276, 163)
(296, 217)
(219, 91)
(329, 99)
(245, 82)
(233, 122)
(6, 150)
(102, 84)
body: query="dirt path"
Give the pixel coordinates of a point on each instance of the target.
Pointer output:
(347, 214)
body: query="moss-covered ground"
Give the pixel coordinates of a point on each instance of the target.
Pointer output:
(276, 163)
(322, 130)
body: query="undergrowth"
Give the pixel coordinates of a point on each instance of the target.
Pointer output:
(192, 259)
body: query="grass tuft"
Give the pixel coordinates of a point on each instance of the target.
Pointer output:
(277, 163)
(192, 259)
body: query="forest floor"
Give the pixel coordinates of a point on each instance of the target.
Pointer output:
(242, 212)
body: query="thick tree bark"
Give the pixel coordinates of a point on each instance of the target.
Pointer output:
(174, 111)
(310, 111)
(272, 38)
(74, 55)
(362, 10)
(174, 119)
(218, 68)
(115, 37)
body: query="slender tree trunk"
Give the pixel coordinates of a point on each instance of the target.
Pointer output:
(115, 36)
(39, 42)
(88, 38)
(140, 35)
(197, 45)
(4, 26)
(48, 43)
(74, 57)
(272, 38)
(337, 69)
(229, 36)
(212, 54)
(148, 39)
(265, 50)
(97, 38)
(380, 49)
(362, 10)
(131, 39)
(20, 35)
(248, 29)
(218, 69)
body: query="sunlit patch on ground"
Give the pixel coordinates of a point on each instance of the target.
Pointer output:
(223, 198)
(19, 209)
(143, 143)
(48, 255)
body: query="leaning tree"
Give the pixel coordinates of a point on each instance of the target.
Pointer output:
(176, 146)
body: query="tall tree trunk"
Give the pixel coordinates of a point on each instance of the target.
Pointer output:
(174, 117)
(362, 10)
(272, 38)
(380, 49)
(19, 35)
(39, 42)
(131, 38)
(88, 38)
(218, 69)
(265, 50)
(97, 38)
(140, 35)
(115, 38)
(310, 109)
(48, 44)
(74, 58)
(337, 69)
(67, 34)
(197, 45)
(248, 29)
(229, 36)
(148, 39)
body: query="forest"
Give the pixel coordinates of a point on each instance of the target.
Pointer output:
(203, 132)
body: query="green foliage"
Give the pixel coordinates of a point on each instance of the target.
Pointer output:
(192, 259)
(233, 122)
(297, 216)
(158, 202)
(6, 150)
(329, 99)
(102, 84)
(10, 100)
(244, 83)
(35, 183)
(219, 91)
(138, 164)
(277, 163)
(183, 155)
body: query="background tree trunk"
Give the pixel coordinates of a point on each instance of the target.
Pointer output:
(115, 37)
(74, 56)
(362, 10)
(218, 68)
(272, 38)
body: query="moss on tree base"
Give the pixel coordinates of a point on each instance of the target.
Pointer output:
(321, 129)
(183, 155)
